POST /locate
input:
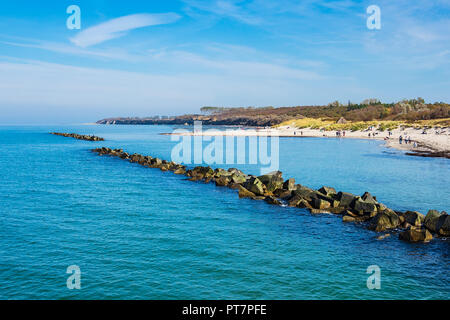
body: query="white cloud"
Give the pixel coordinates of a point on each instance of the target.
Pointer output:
(118, 27)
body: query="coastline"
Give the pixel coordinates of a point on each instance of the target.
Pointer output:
(421, 142)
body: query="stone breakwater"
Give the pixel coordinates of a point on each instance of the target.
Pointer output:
(410, 226)
(78, 136)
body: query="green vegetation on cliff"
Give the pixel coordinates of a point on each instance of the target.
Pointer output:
(369, 110)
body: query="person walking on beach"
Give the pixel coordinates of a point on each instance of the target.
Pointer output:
(400, 139)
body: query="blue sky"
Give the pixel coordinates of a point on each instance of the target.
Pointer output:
(143, 58)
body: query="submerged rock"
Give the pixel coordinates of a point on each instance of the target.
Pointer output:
(272, 200)
(348, 219)
(384, 236)
(318, 211)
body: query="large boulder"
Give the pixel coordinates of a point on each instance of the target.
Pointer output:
(238, 178)
(414, 218)
(304, 204)
(244, 193)
(303, 192)
(236, 171)
(361, 206)
(431, 220)
(255, 185)
(180, 170)
(222, 181)
(156, 162)
(219, 172)
(272, 200)
(203, 172)
(416, 235)
(328, 191)
(443, 225)
(317, 203)
(367, 197)
(289, 184)
(384, 220)
(295, 200)
(273, 180)
(345, 198)
(283, 194)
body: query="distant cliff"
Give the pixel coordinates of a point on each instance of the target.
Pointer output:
(250, 121)
(368, 110)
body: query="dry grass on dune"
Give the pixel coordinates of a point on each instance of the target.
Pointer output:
(382, 125)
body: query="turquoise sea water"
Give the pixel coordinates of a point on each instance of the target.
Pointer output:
(139, 233)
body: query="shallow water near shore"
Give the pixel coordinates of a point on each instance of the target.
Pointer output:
(139, 233)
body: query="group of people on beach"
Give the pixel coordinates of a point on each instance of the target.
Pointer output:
(340, 133)
(407, 140)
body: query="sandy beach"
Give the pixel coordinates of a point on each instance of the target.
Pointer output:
(418, 140)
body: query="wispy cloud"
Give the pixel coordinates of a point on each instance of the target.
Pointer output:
(62, 48)
(119, 27)
(222, 8)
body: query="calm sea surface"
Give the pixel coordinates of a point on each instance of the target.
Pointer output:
(139, 233)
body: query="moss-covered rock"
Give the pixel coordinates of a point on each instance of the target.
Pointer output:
(431, 220)
(272, 181)
(222, 181)
(244, 193)
(328, 191)
(414, 218)
(255, 186)
(384, 220)
(289, 184)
